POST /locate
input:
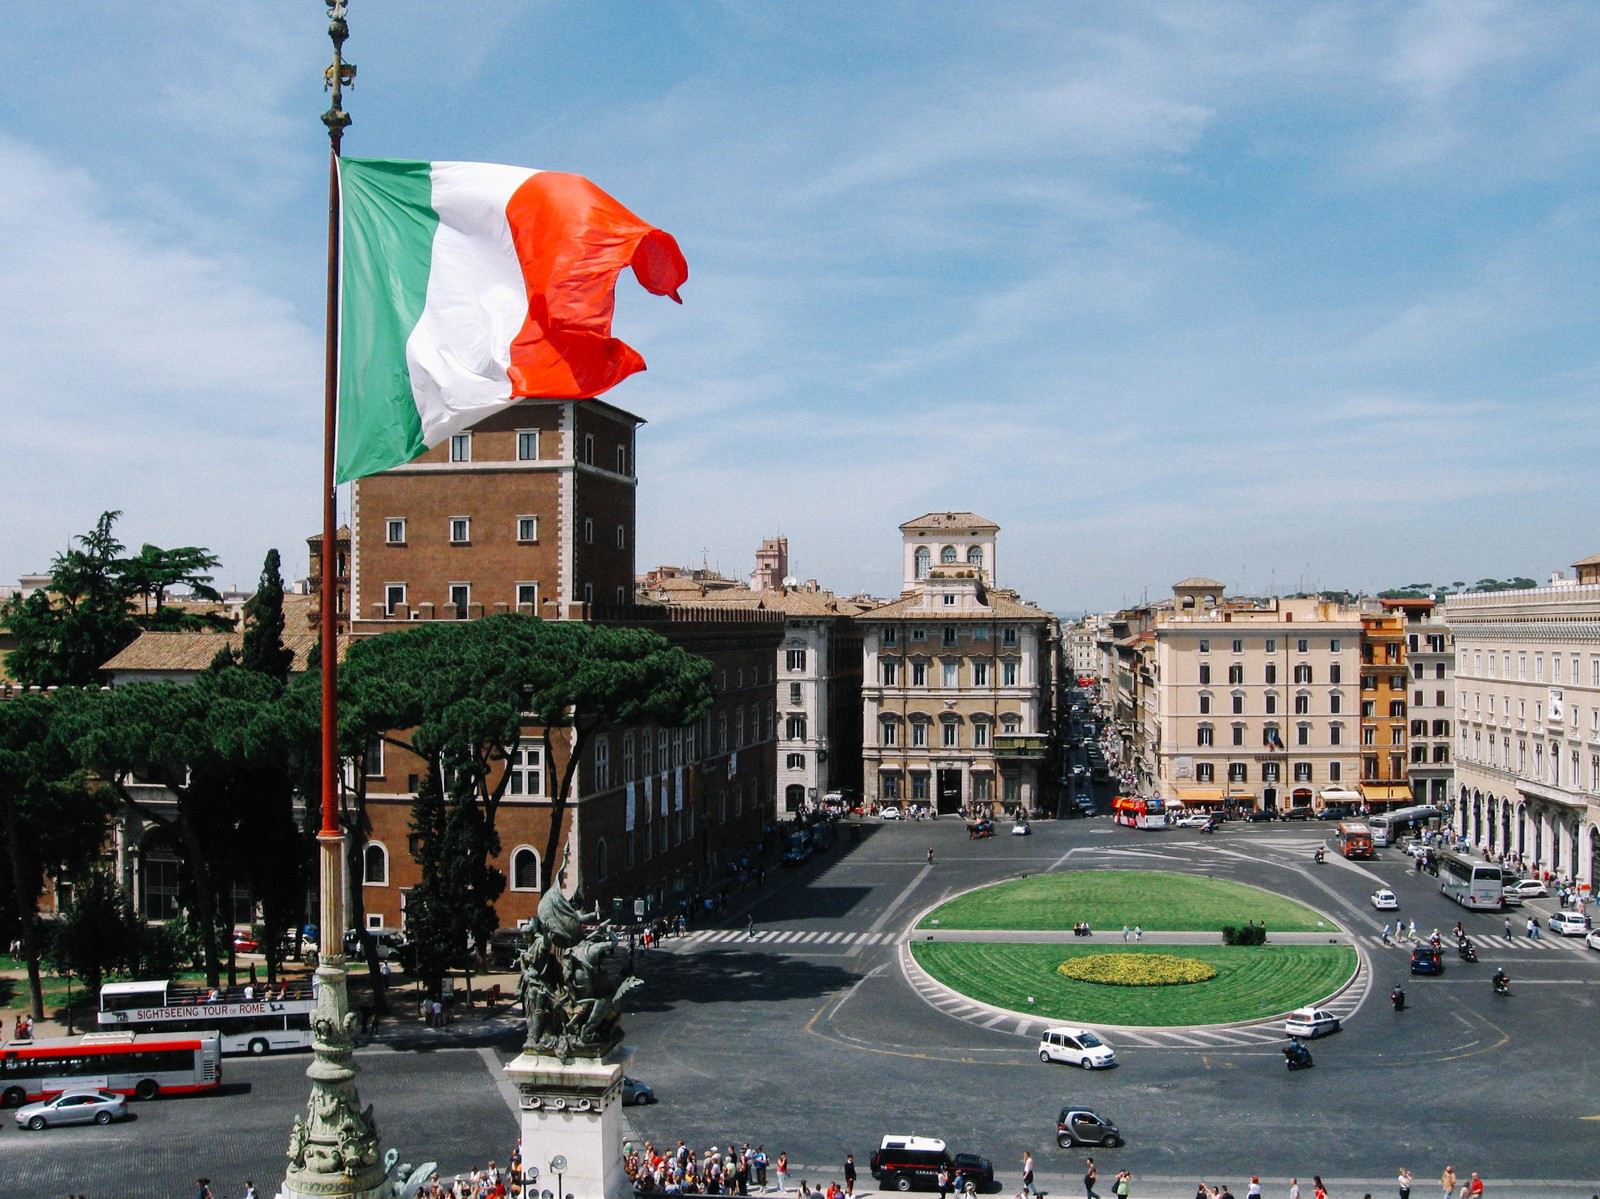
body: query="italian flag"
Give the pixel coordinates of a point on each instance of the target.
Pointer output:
(465, 286)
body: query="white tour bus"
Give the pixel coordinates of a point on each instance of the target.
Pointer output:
(249, 1019)
(1471, 882)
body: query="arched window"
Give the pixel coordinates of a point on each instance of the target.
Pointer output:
(375, 865)
(948, 555)
(794, 797)
(524, 868)
(975, 555)
(922, 560)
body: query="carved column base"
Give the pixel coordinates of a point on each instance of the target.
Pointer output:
(572, 1107)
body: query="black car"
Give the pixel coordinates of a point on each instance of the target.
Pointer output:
(1261, 816)
(1083, 1126)
(1302, 812)
(1333, 812)
(904, 1163)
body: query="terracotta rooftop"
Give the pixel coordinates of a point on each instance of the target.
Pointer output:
(1002, 605)
(789, 602)
(183, 653)
(933, 521)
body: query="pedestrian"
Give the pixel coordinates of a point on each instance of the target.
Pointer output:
(249, 1189)
(1125, 932)
(759, 1159)
(750, 926)
(1294, 1188)
(783, 1171)
(1533, 927)
(930, 855)
(1253, 1191)
(1123, 1185)
(1385, 932)
(1090, 1174)
(1138, 933)
(1318, 1191)
(1508, 926)
(205, 1189)
(850, 1173)
(944, 1178)
(1411, 936)
(1447, 1182)
(1405, 1183)
(1475, 1187)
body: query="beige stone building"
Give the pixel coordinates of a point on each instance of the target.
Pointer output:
(1527, 771)
(957, 678)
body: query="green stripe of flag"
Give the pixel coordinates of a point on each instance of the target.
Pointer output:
(388, 223)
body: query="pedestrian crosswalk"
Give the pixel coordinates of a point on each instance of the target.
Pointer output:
(779, 938)
(1484, 941)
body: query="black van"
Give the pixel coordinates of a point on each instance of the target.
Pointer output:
(906, 1163)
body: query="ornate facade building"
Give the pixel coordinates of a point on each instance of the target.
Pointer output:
(958, 678)
(1527, 770)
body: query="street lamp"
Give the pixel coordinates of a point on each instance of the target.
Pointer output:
(558, 1167)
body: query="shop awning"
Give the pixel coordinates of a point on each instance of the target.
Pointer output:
(1386, 792)
(1197, 794)
(1340, 795)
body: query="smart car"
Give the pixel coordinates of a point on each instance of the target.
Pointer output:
(636, 1092)
(1083, 1126)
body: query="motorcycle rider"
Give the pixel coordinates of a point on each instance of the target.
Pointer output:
(1501, 980)
(1398, 997)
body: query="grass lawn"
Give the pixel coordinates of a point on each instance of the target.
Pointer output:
(1108, 899)
(1252, 981)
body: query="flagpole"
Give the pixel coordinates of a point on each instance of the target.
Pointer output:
(333, 1148)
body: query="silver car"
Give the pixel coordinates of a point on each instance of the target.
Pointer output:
(74, 1107)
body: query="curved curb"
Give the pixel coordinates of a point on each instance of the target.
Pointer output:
(922, 982)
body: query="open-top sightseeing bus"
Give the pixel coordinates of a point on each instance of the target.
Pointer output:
(1136, 812)
(274, 1019)
(143, 1065)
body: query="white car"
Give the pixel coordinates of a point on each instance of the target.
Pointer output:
(1593, 939)
(1190, 820)
(1310, 1022)
(1568, 924)
(1384, 900)
(1527, 888)
(888, 812)
(1020, 829)
(1076, 1047)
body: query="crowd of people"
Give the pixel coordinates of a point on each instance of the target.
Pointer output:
(730, 1170)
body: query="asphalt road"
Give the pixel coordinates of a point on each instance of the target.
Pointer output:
(811, 1038)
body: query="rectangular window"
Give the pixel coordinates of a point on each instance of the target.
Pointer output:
(1238, 705)
(1302, 734)
(1205, 705)
(1335, 702)
(794, 695)
(949, 734)
(460, 597)
(889, 734)
(795, 659)
(919, 674)
(1203, 735)
(1238, 772)
(1335, 734)
(1272, 703)
(1302, 645)
(526, 768)
(394, 596)
(890, 669)
(622, 459)
(1008, 672)
(1335, 772)
(588, 449)
(919, 784)
(949, 633)
(1205, 772)
(602, 764)
(919, 734)
(1302, 772)
(527, 445)
(1238, 645)
(1205, 645)
(980, 674)
(1205, 673)
(622, 537)
(1238, 734)
(1272, 645)
(1333, 645)
(980, 735)
(461, 447)
(588, 530)
(527, 529)
(528, 598)
(460, 530)
(394, 530)
(794, 728)
(1008, 636)
(951, 673)
(796, 761)
(890, 636)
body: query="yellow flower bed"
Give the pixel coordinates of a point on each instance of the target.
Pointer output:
(1137, 969)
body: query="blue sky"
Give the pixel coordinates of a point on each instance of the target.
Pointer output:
(1287, 295)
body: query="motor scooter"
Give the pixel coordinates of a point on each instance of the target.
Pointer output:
(1398, 998)
(1467, 950)
(1502, 982)
(1319, 856)
(1297, 1057)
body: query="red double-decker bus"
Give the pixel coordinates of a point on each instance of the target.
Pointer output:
(1135, 812)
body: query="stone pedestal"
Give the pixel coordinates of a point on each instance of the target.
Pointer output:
(571, 1107)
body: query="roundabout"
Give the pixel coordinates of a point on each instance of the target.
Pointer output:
(1014, 947)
